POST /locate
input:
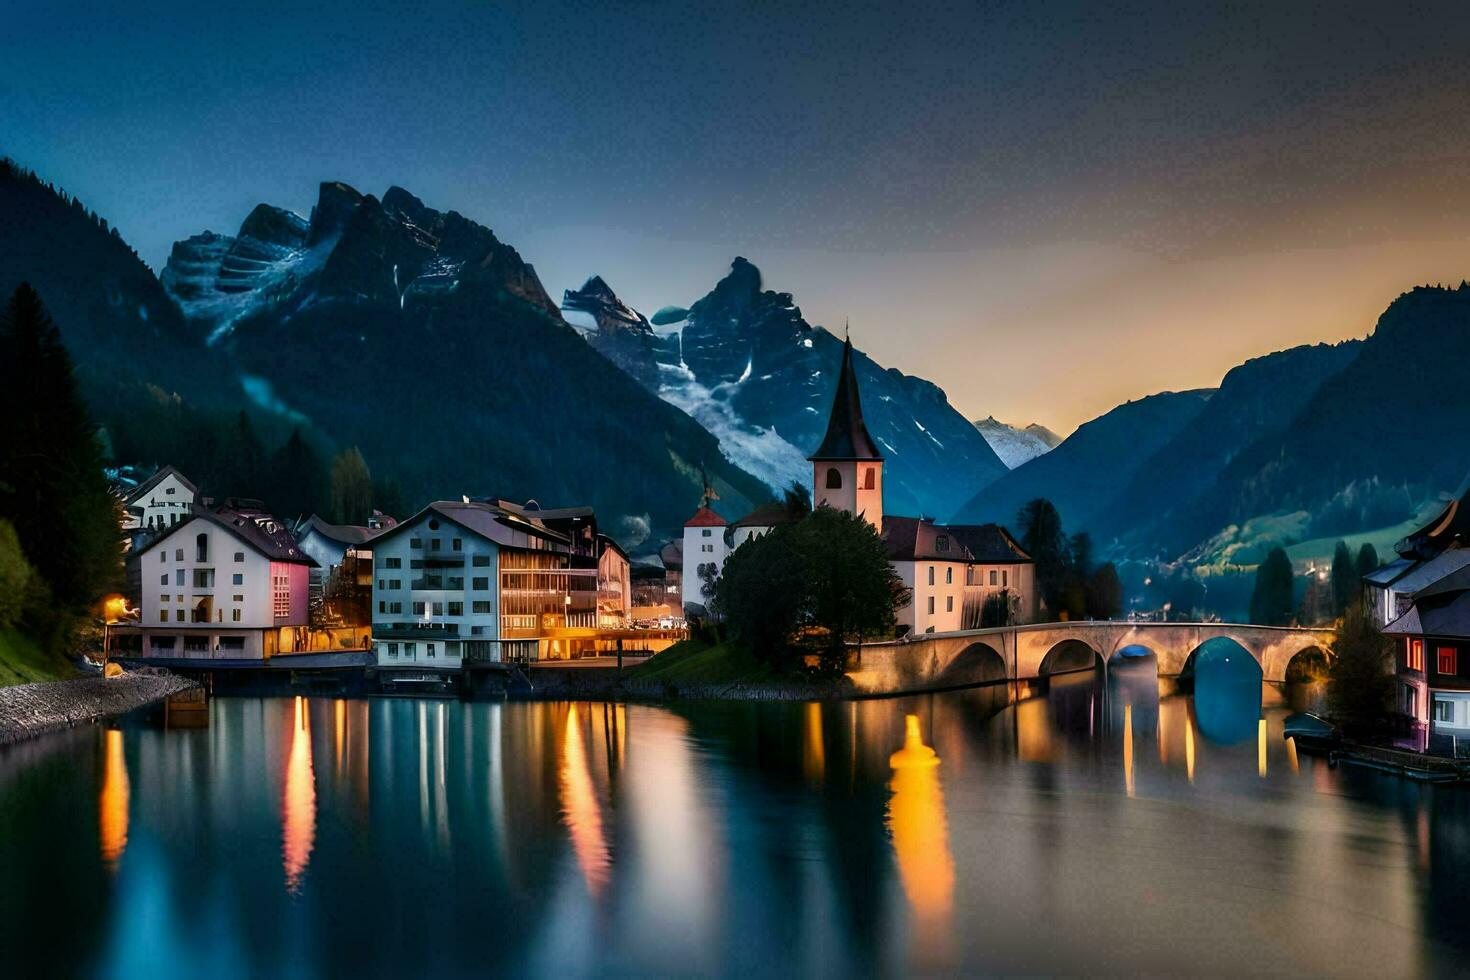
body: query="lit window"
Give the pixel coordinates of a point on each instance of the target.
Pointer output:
(1448, 660)
(1415, 659)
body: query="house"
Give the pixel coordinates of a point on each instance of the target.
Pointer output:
(1001, 576)
(1432, 641)
(614, 585)
(489, 580)
(671, 555)
(932, 563)
(160, 502)
(330, 544)
(225, 584)
(1426, 557)
(704, 548)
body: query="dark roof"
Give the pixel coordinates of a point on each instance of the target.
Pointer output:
(1443, 614)
(704, 517)
(847, 436)
(672, 555)
(769, 515)
(604, 542)
(258, 529)
(914, 538)
(1450, 528)
(147, 485)
(1386, 575)
(488, 520)
(346, 534)
(988, 543)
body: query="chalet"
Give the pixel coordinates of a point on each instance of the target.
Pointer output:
(227, 584)
(1433, 664)
(161, 501)
(1428, 556)
(933, 563)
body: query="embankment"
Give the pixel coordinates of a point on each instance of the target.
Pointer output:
(28, 710)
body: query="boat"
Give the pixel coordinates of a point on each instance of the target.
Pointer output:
(1310, 731)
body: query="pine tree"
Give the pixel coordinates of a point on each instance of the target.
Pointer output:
(1367, 559)
(52, 488)
(352, 488)
(1360, 681)
(1271, 602)
(1344, 579)
(1043, 540)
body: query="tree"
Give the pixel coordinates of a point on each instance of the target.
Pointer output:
(709, 584)
(352, 488)
(15, 576)
(297, 479)
(52, 489)
(797, 499)
(1105, 593)
(1271, 602)
(1360, 680)
(1367, 559)
(1080, 548)
(1042, 538)
(388, 498)
(851, 589)
(1344, 579)
(761, 594)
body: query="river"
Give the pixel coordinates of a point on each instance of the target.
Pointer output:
(1093, 829)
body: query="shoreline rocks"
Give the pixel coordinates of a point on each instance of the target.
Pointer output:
(28, 710)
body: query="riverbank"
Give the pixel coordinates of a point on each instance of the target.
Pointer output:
(28, 710)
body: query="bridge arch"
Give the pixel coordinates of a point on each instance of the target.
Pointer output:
(1070, 655)
(976, 664)
(1307, 665)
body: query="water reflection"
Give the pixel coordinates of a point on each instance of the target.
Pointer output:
(298, 804)
(917, 821)
(580, 808)
(112, 802)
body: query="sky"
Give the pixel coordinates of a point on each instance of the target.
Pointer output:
(1045, 208)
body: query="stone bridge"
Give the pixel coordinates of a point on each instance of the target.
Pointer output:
(935, 661)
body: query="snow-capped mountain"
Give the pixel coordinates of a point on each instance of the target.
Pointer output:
(1016, 446)
(622, 334)
(747, 366)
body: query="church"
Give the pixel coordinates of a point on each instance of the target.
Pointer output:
(961, 576)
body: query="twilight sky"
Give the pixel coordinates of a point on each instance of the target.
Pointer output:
(1045, 208)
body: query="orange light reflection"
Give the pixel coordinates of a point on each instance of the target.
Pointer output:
(917, 821)
(580, 809)
(112, 803)
(298, 806)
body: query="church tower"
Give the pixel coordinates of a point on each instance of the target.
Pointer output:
(847, 469)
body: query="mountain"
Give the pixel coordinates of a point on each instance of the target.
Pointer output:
(1016, 446)
(420, 337)
(619, 332)
(1262, 396)
(745, 363)
(1080, 475)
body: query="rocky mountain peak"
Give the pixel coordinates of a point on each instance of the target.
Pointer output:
(335, 203)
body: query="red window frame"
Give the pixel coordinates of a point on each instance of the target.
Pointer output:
(1447, 660)
(1414, 658)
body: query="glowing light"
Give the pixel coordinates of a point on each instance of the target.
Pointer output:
(298, 815)
(1291, 754)
(1189, 748)
(112, 802)
(1163, 737)
(815, 756)
(339, 709)
(1128, 747)
(917, 821)
(1033, 732)
(1261, 748)
(580, 810)
(114, 608)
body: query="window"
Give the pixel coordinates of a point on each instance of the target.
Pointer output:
(239, 556)
(949, 575)
(163, 598)
(705, 533)
(238, 598)
(1449, 661)
(429, 649)
(410, 649)
(161, 642)
(178, 554)
(438, 609)
(481, 584)
(395, 583)
(1415, 659)
(280, 594)
(163, 555)
(456, 583)
(481, 561)
(931, 577)
(382, 606)
(178, 576)
(382, 584)
(392, 649)
(163, 579)
(451, 649)
(992, 576)
(163, 615)
(941, 542)
(237, 579)
(232, 643)
(434, 544)
(196, 644)
(169, 491)
(392, 563)
(395, 607)
(834, 478)
(969, 574)
(931, 605)
(201, 547)
(1003, 575)
(949, 603)
(870, 478)
(457, 544)
(480, 608)
(1409, 701)
(416, 543)
(178, 615)
(1444, 710)
(456, 609)
(234, 615)
(203, 578)
(418, 608)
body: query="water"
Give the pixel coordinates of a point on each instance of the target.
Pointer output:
(943, 833)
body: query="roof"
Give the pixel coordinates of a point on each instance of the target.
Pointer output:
(146, 487)
(604, 542)
(1445, 614)
(1427, 573)
(914, 538)
(672, 555)
(1386, 575)
(769, 515)
(704, 517)
(532, 509)
(489, 521)
(260, 530)
(1449, 529)
(847, 435)
(988, 543)
(346, 534)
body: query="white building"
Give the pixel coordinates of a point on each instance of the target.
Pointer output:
(704, 545)
(160, 502)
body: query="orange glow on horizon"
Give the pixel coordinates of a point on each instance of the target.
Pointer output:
(298, 805)
(580, 809)
(112, 802)
(920, 830)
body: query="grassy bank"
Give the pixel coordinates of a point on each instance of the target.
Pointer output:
(23, 662)
(698, 661)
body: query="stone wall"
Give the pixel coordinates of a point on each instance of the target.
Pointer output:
(27, 710)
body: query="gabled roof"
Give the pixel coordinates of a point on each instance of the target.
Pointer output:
(1445, 614)
(489, 521)
(146, 487)
(260, 530)
(672, 555)
(768, 515)
(350, 535)
(988, 543)
(1450, 528)
(919, 538)
(704, 517)
(847, 435)
(1386, 575)
(1427, 573)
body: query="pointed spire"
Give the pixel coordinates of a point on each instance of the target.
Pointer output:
(709, 490)
(847, 435)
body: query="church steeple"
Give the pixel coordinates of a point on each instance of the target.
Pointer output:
(847, 436)
(847, 469)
